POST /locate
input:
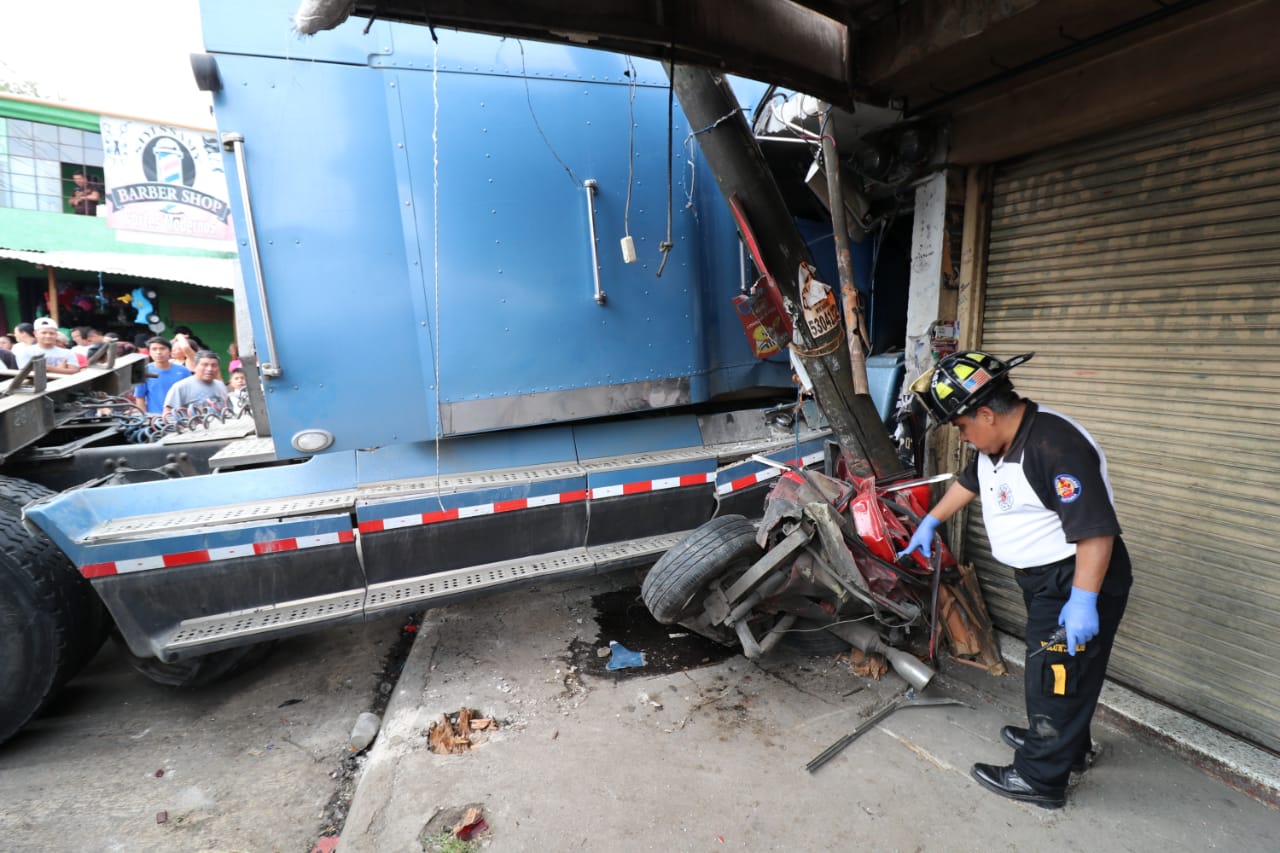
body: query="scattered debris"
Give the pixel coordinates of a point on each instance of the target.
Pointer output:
(452, 733)
(604, 652)
(646, 699)
(364, 731)
(471, 825)
(620, 615)
(286, 703)
(455, 830)
(865, 665)
(162, 817)
(159, 773)
(621, 657)
(328, 844)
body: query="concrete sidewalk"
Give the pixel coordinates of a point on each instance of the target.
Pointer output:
(713, 758)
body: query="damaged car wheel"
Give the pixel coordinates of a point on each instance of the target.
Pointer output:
(674, 587)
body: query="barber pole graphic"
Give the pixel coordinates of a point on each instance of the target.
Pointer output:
(167, 157)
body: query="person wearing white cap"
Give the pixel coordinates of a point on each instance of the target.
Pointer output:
(56, 359)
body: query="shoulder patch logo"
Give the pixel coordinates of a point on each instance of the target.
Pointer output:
(1067, 487)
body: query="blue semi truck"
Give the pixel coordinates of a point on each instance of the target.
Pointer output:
(495, 304)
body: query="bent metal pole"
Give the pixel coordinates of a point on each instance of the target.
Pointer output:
(844, 257)
(740, 169)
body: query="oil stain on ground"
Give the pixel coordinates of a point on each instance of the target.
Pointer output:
(623, 618)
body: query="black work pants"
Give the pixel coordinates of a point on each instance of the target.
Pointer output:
(1061, 690)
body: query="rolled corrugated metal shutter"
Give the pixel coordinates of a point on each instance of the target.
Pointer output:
(1143, 268)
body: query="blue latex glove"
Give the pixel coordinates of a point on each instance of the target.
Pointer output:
(1080, 617)
(922, 539)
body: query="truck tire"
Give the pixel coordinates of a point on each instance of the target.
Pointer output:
(35, 628)
(87, 617)
(722, 545)
(15, 493)
(202, 670)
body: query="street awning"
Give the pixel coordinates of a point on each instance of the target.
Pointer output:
(218, 273)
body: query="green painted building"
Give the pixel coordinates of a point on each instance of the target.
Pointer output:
(55, 261)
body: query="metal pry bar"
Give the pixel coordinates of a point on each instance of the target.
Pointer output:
(901, 702)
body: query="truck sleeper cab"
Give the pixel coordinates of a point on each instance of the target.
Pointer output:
(450, 215)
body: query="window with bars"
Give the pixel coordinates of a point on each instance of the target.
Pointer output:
(37, 162)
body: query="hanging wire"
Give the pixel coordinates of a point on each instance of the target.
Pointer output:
(691, 157)
(631, 144)
(435, 233)
(667, 245)
(691, 160)
(529, 98)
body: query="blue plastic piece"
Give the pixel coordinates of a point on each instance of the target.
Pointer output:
(884, 378)
(621, 657)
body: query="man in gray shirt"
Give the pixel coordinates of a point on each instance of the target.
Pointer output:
(203, 386)
(56, 359)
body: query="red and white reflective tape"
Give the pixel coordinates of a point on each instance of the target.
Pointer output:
(767, 473)
(209, 555)
(470, 511)
(643, 486)
(618, 490)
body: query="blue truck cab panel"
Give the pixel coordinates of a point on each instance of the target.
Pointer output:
(426, 241)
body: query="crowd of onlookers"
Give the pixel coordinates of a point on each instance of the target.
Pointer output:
(181, 372)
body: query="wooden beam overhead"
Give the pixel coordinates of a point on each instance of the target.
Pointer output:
(783, 42)
(929, 48)
(1219, 51)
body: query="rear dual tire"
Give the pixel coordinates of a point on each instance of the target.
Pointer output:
(52, 622)
(39, 645)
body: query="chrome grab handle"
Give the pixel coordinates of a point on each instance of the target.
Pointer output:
(590, 186)
(234, 142)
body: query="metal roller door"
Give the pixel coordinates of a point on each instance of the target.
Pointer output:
(1143, 269)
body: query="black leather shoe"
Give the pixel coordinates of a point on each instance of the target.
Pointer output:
(1006, 782)
(1016, 737)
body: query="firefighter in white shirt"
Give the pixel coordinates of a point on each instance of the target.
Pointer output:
(1047, 507)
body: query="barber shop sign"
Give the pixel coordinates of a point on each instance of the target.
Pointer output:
(164, 179)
